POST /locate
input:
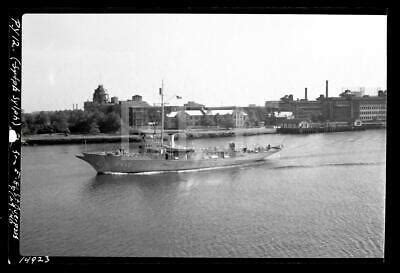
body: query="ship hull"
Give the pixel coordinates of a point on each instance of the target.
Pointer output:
(109, 163)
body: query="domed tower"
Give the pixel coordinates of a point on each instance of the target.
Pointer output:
(100, 95)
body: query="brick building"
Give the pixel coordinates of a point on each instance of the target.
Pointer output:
(135, 112)
(139, 112)
(239, 116)
(349, 106)
(184, 119)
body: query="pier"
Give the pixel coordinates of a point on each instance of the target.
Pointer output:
(319, 130)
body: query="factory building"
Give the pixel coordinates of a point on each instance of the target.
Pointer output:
(137, 112)
(349, 106)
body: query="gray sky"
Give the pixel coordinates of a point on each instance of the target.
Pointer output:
(220, 59)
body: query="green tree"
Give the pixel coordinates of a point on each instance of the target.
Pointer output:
(80, 121)
(42, 118)
(110, 123)
(226, 121)
(59, 121)
(93, 128)
(28, 126)
(207, 120)
(42, 123)
(218, 119)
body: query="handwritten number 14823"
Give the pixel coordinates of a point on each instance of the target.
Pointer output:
(33, 259)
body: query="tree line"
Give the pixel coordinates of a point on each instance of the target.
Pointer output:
(108, 120)
(70, 121)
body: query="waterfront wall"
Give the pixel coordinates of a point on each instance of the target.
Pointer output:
(319, 130)
(193, 134)
(77, 139)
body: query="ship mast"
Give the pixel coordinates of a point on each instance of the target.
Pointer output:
(162, 112)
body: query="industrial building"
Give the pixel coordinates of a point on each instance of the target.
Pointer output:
(139, 114)
(349, 106)
(100, 100)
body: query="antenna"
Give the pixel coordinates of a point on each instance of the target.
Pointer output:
(162, 112)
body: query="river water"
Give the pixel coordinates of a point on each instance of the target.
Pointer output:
(322, 196)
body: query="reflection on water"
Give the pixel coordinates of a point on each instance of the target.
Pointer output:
(322, 196)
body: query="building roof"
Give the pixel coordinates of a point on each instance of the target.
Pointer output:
(219, 112)
(224, 112)
(132, 103)
(193, 104)
(283, 114)
(194, 112)
(188, 112)
(272, 104)
(172, 114)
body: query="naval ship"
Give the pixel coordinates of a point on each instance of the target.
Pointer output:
(160, 157)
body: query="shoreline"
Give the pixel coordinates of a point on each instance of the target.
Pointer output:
(55, 139)
(58, 138)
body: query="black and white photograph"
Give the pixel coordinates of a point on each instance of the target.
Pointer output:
(174, 135)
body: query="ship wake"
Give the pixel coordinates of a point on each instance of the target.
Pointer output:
(329, 165)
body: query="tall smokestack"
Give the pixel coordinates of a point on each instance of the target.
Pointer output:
(326, 89)
(305, 94)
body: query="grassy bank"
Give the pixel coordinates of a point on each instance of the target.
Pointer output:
(49, 139)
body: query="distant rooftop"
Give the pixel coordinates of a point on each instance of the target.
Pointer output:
(135, 103)
(189, 112)
(220, 112)
(223, 112)
(194, 112)
(172, 114)
(283, 114)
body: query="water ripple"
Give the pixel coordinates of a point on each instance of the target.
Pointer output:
(324, 198)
